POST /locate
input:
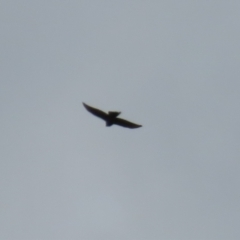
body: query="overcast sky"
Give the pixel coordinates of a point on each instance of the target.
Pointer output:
(172, 66)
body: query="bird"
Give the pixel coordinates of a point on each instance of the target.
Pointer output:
(111, 117)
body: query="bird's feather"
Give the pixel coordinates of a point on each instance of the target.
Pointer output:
(96, 112)
(125, 123)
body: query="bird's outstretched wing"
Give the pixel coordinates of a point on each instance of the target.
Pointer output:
(96, 112)
(125, 123)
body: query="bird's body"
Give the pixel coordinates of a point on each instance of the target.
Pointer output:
(111, 117)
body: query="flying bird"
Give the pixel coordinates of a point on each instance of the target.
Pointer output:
(111, 117)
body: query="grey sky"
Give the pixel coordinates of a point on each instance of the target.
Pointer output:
(172, 66)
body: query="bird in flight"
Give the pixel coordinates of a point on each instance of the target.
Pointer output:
(111, 117)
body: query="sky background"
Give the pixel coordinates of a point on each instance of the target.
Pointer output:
(172, 66)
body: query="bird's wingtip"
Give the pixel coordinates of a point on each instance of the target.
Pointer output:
(85, 105)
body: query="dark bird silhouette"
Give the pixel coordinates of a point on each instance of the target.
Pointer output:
(111, 117)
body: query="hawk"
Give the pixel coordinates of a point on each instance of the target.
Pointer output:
(111, 117)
